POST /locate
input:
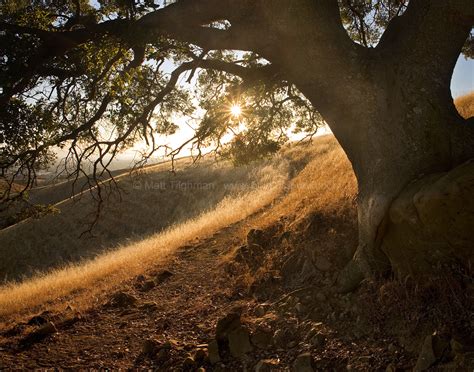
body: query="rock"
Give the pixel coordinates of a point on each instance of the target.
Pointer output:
(431, 352)
(162, 355)
(315, 329)
(239, 342)
(456, 346)
(303, 363)
(300, 308)
(40, 319)
(213, 350)
(266, 365)
(122, 299)
(262, 338)
(148, 285)
(150, 347)
(282, 337)
(260, 311)
(318, 340)
(163, 276)
(200, 355)
(256, 237)
(188, 363)
(149, 306)
(227, 324)
(47, 329)
(430, 222)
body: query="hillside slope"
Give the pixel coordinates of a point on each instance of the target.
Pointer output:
(143, 205)
(251, 293)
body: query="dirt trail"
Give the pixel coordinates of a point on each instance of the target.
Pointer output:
(184, 308)
(181, 311)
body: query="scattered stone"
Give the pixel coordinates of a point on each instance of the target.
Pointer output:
(149, 306)
(40, 319)
(318, 340)
(162, 355)
(300, 308)
(256, 237)
(226, 325)
(188, 363)
(200, 355)
(391, 368)
(239, 342)
(302, 363)
(148, 285)
(266, 365)
(213, 350)
(201, 369)
(122, 299)
(456, 346)
(163, 276)
(260, 311)
(150, 347)
(45, 330)
(262, 338)
(428, 218)
(431, 352)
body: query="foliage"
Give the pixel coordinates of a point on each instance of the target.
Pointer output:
(81, 78)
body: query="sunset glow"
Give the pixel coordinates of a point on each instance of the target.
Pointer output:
(236, 111)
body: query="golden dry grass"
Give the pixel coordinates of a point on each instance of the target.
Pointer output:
(465, 105)
(150, 202)
(108, 270)
(326, 184)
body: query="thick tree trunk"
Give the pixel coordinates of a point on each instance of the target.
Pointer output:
(390, 107)
(403, 133)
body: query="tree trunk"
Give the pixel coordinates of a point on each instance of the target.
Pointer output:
(389, 107)
(406, 128)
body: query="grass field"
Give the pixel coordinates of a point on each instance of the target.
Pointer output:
(147, 204)
(152, 221)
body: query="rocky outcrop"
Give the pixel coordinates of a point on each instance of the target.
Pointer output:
(431, 223)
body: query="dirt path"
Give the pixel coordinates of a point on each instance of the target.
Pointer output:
(184, 308)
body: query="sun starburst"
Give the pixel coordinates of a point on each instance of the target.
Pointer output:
(236, 110)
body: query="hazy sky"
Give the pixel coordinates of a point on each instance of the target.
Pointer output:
(463, 77)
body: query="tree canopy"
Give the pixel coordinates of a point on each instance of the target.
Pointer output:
(94, 78)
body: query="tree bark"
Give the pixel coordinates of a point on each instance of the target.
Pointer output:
(390, 107)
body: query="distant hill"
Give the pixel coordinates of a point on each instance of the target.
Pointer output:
(142, 205)
(465, 105)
